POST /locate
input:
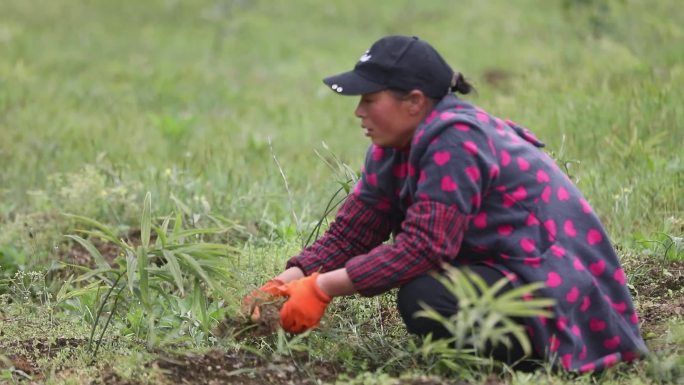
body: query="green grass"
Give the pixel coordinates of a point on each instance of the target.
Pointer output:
(101, 102)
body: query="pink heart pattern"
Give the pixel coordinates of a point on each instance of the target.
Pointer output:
(611, 360)
(441, 157)
(505, 158)
(557, 250)
(372, 179)
(550, 226)
(546, 194)
(480, 220)
(448, 184)
(532, 220)
(400, 170)
(494, 172)
(519, 194)
(447, 115)
(431, 117)
(566, 361)
(597, 268)
(462, 127)
(553, 279)
(542, 176)
(597, 325)
(505, 230)
(528, 245)
(554, 344)
(576, 330)
(377, 153)
(612, 343)
(417, 136)
(594, 237)
(569, 228)
(473, 173)
(470, 147)
(423, 177)
(586, 303)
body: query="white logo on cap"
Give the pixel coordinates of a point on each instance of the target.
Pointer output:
(365, 57)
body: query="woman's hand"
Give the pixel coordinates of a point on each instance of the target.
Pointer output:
(305, 306)
(309, 297)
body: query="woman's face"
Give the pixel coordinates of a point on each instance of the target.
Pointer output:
(389, 121)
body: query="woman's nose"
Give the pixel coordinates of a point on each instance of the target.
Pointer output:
(359, 111)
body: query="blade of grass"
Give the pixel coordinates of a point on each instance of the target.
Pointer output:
(174, 268)
(146, 221)
(143, 276)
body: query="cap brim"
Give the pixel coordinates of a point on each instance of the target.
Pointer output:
(351, 83)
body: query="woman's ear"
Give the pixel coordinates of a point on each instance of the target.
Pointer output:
(417, 102)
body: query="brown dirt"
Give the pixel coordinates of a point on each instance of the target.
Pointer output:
(24, 355)
(658, 312)
(218, 367)
(266, 321)
(658, 278)
(659, 291)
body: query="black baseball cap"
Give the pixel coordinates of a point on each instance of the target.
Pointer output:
(396, 62)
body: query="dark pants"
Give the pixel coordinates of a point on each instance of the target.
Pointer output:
(428, 290)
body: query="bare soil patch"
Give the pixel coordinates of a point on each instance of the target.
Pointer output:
(24, 355)
(215, 367)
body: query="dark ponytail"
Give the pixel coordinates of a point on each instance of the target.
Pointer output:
(460, 84)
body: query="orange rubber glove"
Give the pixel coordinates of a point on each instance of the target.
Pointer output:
(268, 290)
(306, 305)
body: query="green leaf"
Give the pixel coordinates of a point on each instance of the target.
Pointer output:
(151, 330)
(200, 305)
(63, 296)
(161, 231)
(146, 221)
(518, 292)
(143, 276)
(93, 223)
(131, 269)
(94, 272)
(92, 250)
(518, 332)
(174, 268)
(197, 268)
(105, 237)
(177, 226)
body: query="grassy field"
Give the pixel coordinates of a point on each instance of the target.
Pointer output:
(216, 109)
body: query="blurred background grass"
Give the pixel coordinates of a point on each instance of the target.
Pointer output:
(101, 101)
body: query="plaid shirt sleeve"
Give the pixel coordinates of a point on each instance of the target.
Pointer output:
(357, 229)
(431, 236)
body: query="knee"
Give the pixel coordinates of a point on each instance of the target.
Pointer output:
(425, 290)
